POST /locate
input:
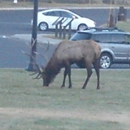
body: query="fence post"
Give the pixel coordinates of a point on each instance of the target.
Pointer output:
(64, 32)
(60, 29)
(69, 34)
(56, 30)
(122, 14)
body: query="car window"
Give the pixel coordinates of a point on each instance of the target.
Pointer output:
(81, 36)
(127, 39)
(101, 38)
(53, 13)
(111, 38)
(66, 14)
(118, 38)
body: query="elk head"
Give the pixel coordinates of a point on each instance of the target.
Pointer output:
(40, 71)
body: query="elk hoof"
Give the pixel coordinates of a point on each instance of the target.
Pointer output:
(45, 86)
(62, 86)
(70, 87)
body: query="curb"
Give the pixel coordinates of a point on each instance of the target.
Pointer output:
(64, 7)
(40, 38)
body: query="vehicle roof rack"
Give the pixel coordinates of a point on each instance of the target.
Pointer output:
(104, 29)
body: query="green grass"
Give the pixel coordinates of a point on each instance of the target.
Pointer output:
(26, 105)
(124, 25)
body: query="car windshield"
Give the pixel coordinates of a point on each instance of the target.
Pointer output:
(81, 36)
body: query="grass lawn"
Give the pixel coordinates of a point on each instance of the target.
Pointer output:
(124, 25)
(26, 105)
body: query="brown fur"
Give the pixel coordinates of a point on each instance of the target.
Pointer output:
(83, 53)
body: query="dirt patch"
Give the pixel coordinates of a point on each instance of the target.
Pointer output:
(123, 117)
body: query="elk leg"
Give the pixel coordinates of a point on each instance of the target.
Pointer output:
(96, 67)
(65, 74)
(67, 71)
(69, 76)
(89, 73)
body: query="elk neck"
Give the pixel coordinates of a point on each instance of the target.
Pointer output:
(52, 69)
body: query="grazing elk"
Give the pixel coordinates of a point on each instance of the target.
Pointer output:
(82, 52)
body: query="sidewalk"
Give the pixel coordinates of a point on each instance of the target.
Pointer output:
(41, 38)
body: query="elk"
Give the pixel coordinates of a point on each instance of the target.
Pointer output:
(83, 53)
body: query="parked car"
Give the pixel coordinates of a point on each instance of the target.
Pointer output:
(46, 19)
(115, 44)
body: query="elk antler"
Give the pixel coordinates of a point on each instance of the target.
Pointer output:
(46, 49)
(41, 56)
(39, 70)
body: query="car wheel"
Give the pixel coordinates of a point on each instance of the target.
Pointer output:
(105, 61)
(82, 27)
(43, 26)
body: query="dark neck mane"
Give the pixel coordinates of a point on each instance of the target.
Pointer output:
(52, 69)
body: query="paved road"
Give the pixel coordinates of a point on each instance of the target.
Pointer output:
(11, 55)
(15, 22)
(18, 22)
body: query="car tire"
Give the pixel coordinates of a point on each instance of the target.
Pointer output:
(105, 61)
(43, 26)
(82, 27)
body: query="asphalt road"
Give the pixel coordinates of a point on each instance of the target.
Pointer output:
(18, 22)
(11, 55)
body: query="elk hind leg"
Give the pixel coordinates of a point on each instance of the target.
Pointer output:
(69, 76)
(97, 69)
(89, 73)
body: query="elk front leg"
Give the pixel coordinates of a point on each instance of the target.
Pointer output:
(64, 78)
(67, 71)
